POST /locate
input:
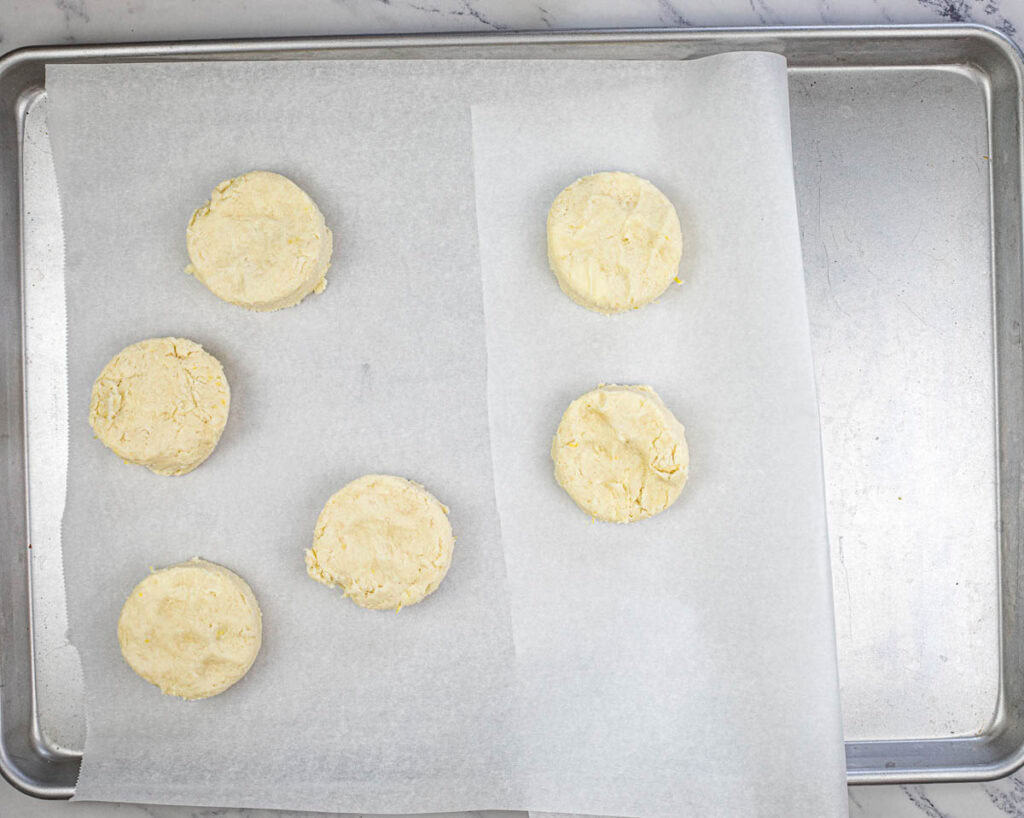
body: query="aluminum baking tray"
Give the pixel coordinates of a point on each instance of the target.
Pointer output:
(907, 151)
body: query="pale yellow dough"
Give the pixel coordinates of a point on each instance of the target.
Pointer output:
(260, 242)
(620, 453)
(161, 403)
(384, 540)
(614, 242)
(193, 629)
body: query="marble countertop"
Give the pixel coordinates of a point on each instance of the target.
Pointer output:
(33, 22)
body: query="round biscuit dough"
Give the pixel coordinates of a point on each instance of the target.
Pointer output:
(614, 242)
(161, 403)
(620, 453)
(384, 540)
(192, 629)
(260, 242)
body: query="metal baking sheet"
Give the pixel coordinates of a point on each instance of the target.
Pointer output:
(907, 151)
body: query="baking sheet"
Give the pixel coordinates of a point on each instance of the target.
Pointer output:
(397, 367)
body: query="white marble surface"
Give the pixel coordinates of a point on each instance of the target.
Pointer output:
(31, 22)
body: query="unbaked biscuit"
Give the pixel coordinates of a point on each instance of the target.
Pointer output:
(614, 242)
(620, 453)
(193, 629)
(260, 242)
(161, 403)
(384, 541)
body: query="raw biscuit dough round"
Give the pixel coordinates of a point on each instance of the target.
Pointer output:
(384, 540)
(620, 453)
(161, 403)
(192, 629)
(260, 242)
(614, 242)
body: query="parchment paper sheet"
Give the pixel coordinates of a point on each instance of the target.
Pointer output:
(642, 631)
(681, 664)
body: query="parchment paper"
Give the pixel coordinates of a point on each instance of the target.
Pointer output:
(684, 663)
(641, 632)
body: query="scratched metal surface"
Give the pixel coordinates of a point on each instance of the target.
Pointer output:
(892, 174)
(58, 671)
